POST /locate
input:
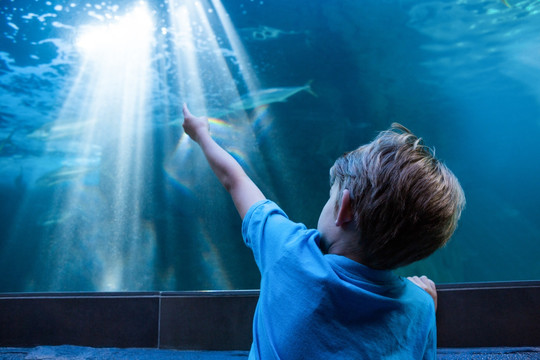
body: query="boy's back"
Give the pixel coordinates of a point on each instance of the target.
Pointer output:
(391, 203)
(316, 306)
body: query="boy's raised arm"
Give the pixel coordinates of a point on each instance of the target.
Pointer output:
(243, 190)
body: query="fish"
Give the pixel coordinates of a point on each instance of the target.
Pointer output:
(262, 33)
(269, 96)
(54, 218)
(64, 174)
(505, 2)
(57, 131)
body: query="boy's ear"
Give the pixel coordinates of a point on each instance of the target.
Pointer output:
(345, 213)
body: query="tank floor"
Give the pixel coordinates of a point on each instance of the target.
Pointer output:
(520, 353)
(67, 352)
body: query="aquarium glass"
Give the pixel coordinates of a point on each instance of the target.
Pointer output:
(101, 190)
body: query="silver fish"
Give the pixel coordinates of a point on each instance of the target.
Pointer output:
(269, 96)
(64, 174)
(262, 33)
(54, 218)
(58, 131)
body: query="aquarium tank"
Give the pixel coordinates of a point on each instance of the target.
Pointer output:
(101, 190)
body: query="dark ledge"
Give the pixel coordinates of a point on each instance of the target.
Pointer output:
(501, 314)
(493, 314)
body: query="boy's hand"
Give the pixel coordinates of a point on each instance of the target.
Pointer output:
(425, 283)
(243, 190)
(194, 126)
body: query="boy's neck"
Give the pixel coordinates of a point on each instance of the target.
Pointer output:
(347, 246)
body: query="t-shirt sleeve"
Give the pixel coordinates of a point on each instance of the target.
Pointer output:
(267, 230)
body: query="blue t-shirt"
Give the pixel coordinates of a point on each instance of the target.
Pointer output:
(316, 306)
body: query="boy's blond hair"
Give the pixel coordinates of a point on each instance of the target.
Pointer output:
(406, 203)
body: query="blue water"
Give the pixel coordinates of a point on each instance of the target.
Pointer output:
(100, 190)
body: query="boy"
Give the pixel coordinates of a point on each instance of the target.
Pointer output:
(330, 293)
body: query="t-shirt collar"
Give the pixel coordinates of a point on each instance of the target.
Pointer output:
(361, 272)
